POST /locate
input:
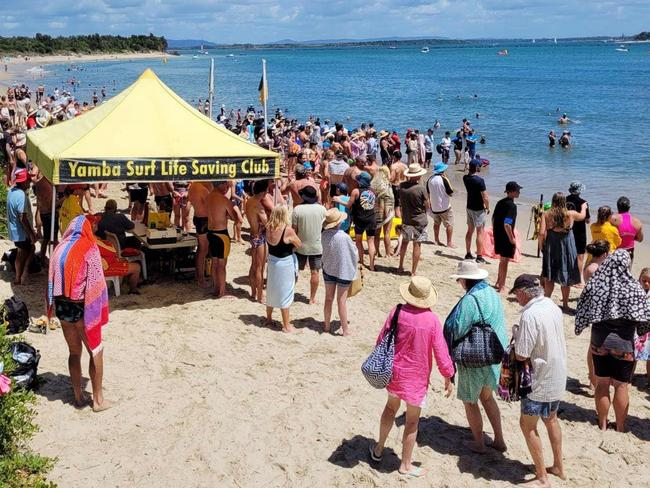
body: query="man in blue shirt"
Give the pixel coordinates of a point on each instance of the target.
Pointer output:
(21, 229)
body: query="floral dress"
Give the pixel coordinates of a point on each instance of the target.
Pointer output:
(642, 344)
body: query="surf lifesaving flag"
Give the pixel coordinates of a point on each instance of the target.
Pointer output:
(263, 89)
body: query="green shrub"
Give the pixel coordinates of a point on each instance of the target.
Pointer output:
(19, 466)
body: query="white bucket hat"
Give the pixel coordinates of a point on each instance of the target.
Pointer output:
(469, 270)
(414, 170)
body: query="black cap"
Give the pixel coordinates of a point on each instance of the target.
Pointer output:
(513, 186)
(308, 194)
(525, 281)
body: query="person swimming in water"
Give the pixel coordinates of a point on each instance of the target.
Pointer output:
(551, 139)
(564, 119)
(565, 140)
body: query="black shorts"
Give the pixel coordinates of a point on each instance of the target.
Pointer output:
(333, 189)
(201, 225)
(139, 195)
(504, 248)
(164, 203)
(369, 227)
(581, 243)
(24, 245)
(219, 243)
(396, 196)
(610, 367)
(67, 310)
(445, 153)
(428, 156)
(315, 261)
(46, 219)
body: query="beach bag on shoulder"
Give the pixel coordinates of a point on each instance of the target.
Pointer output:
(14, 316)
(357, 284)
(378, 367)
(479, 347)
(515, 380)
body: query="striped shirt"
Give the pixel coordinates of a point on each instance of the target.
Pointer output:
(540, 337)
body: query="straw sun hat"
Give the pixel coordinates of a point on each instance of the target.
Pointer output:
(419, 292)
(414, 170)
(333, 217)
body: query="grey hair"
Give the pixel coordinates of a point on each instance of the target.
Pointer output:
(533, 291)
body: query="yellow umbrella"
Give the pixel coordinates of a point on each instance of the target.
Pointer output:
(146, 133)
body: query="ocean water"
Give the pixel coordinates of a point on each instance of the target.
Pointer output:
(606, 93)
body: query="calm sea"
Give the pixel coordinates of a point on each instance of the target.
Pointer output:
(606, 93)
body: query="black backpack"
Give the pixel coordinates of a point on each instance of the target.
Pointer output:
(26, 359)
(14, 316)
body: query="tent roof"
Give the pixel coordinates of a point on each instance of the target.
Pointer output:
(146, 120)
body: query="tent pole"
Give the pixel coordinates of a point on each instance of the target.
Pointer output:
(211, 87)
(52, 219)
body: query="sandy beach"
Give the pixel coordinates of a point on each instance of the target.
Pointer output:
(18, 68)
(208, 396)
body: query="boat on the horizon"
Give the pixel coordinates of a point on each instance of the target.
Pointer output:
(533, 41)
(503, 52)
(230, 55)
(392, 47)
(203, 51)
(622, 49)
(555, 40)
(196, 56)
(425, 49)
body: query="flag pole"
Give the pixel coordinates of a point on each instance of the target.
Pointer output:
(211, 87)
(265, 88)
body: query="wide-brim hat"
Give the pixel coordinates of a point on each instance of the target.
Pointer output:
(469, 270)
(21, 139)
(419, 292)
(415, 170)
(383, 134)
(333, 217)
(440, 167)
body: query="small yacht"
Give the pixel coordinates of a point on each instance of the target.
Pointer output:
(425, 49)
(503, 52)
(622, 49)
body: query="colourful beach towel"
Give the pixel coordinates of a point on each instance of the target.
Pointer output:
(76, 273)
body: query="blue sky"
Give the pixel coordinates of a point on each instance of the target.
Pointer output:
(271, 20)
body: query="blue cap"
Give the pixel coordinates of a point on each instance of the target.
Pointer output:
(308, 166)
(342, 188)
(475, 162)
(364, 179)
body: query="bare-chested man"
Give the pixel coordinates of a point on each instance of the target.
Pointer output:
(43, 192)
(163, 196)
(258, 208)
(397, 170)
(303, 179)
(198, 197)
(220, 209)
(350, 175)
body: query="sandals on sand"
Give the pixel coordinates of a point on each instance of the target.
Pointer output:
(373, 456)
(416, 472)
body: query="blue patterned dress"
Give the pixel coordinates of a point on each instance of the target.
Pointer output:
(458, 324)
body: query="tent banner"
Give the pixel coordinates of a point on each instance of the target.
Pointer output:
(158, 169)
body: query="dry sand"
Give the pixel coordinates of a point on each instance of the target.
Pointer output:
(208, 396)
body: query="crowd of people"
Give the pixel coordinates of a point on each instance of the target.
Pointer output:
(340, 188)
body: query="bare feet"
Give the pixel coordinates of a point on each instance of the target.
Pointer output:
(85, 401)
(474, 447)
(538, 483)
(291, 330)
(439, 243)
(555, 471)
(499, 446)
(326, 328)
(100, 407)
(312, 301)
(451, 246)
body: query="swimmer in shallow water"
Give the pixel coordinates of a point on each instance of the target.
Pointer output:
(551, 139)
(565, 140)
(564, 119)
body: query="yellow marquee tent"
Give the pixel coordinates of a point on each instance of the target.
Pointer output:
(146, 133)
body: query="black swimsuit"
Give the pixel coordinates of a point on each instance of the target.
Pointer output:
(281, 249)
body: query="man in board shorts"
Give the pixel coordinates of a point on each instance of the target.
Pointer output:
(198, 197)
(220, 210)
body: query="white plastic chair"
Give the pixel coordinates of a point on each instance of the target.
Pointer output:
(138, 258)
(115, 280)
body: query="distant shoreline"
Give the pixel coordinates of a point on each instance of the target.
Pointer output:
(18, 67)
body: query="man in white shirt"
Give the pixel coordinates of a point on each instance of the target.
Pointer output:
(445, 145)
(440, 191)
(539, 338)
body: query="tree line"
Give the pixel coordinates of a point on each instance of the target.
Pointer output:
(88, 44)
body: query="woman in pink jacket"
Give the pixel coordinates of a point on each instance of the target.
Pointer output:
(419, 334)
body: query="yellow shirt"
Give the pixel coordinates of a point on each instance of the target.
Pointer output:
(606, 232)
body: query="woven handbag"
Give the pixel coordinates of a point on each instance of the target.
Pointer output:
(479, 347)
(378, 367)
